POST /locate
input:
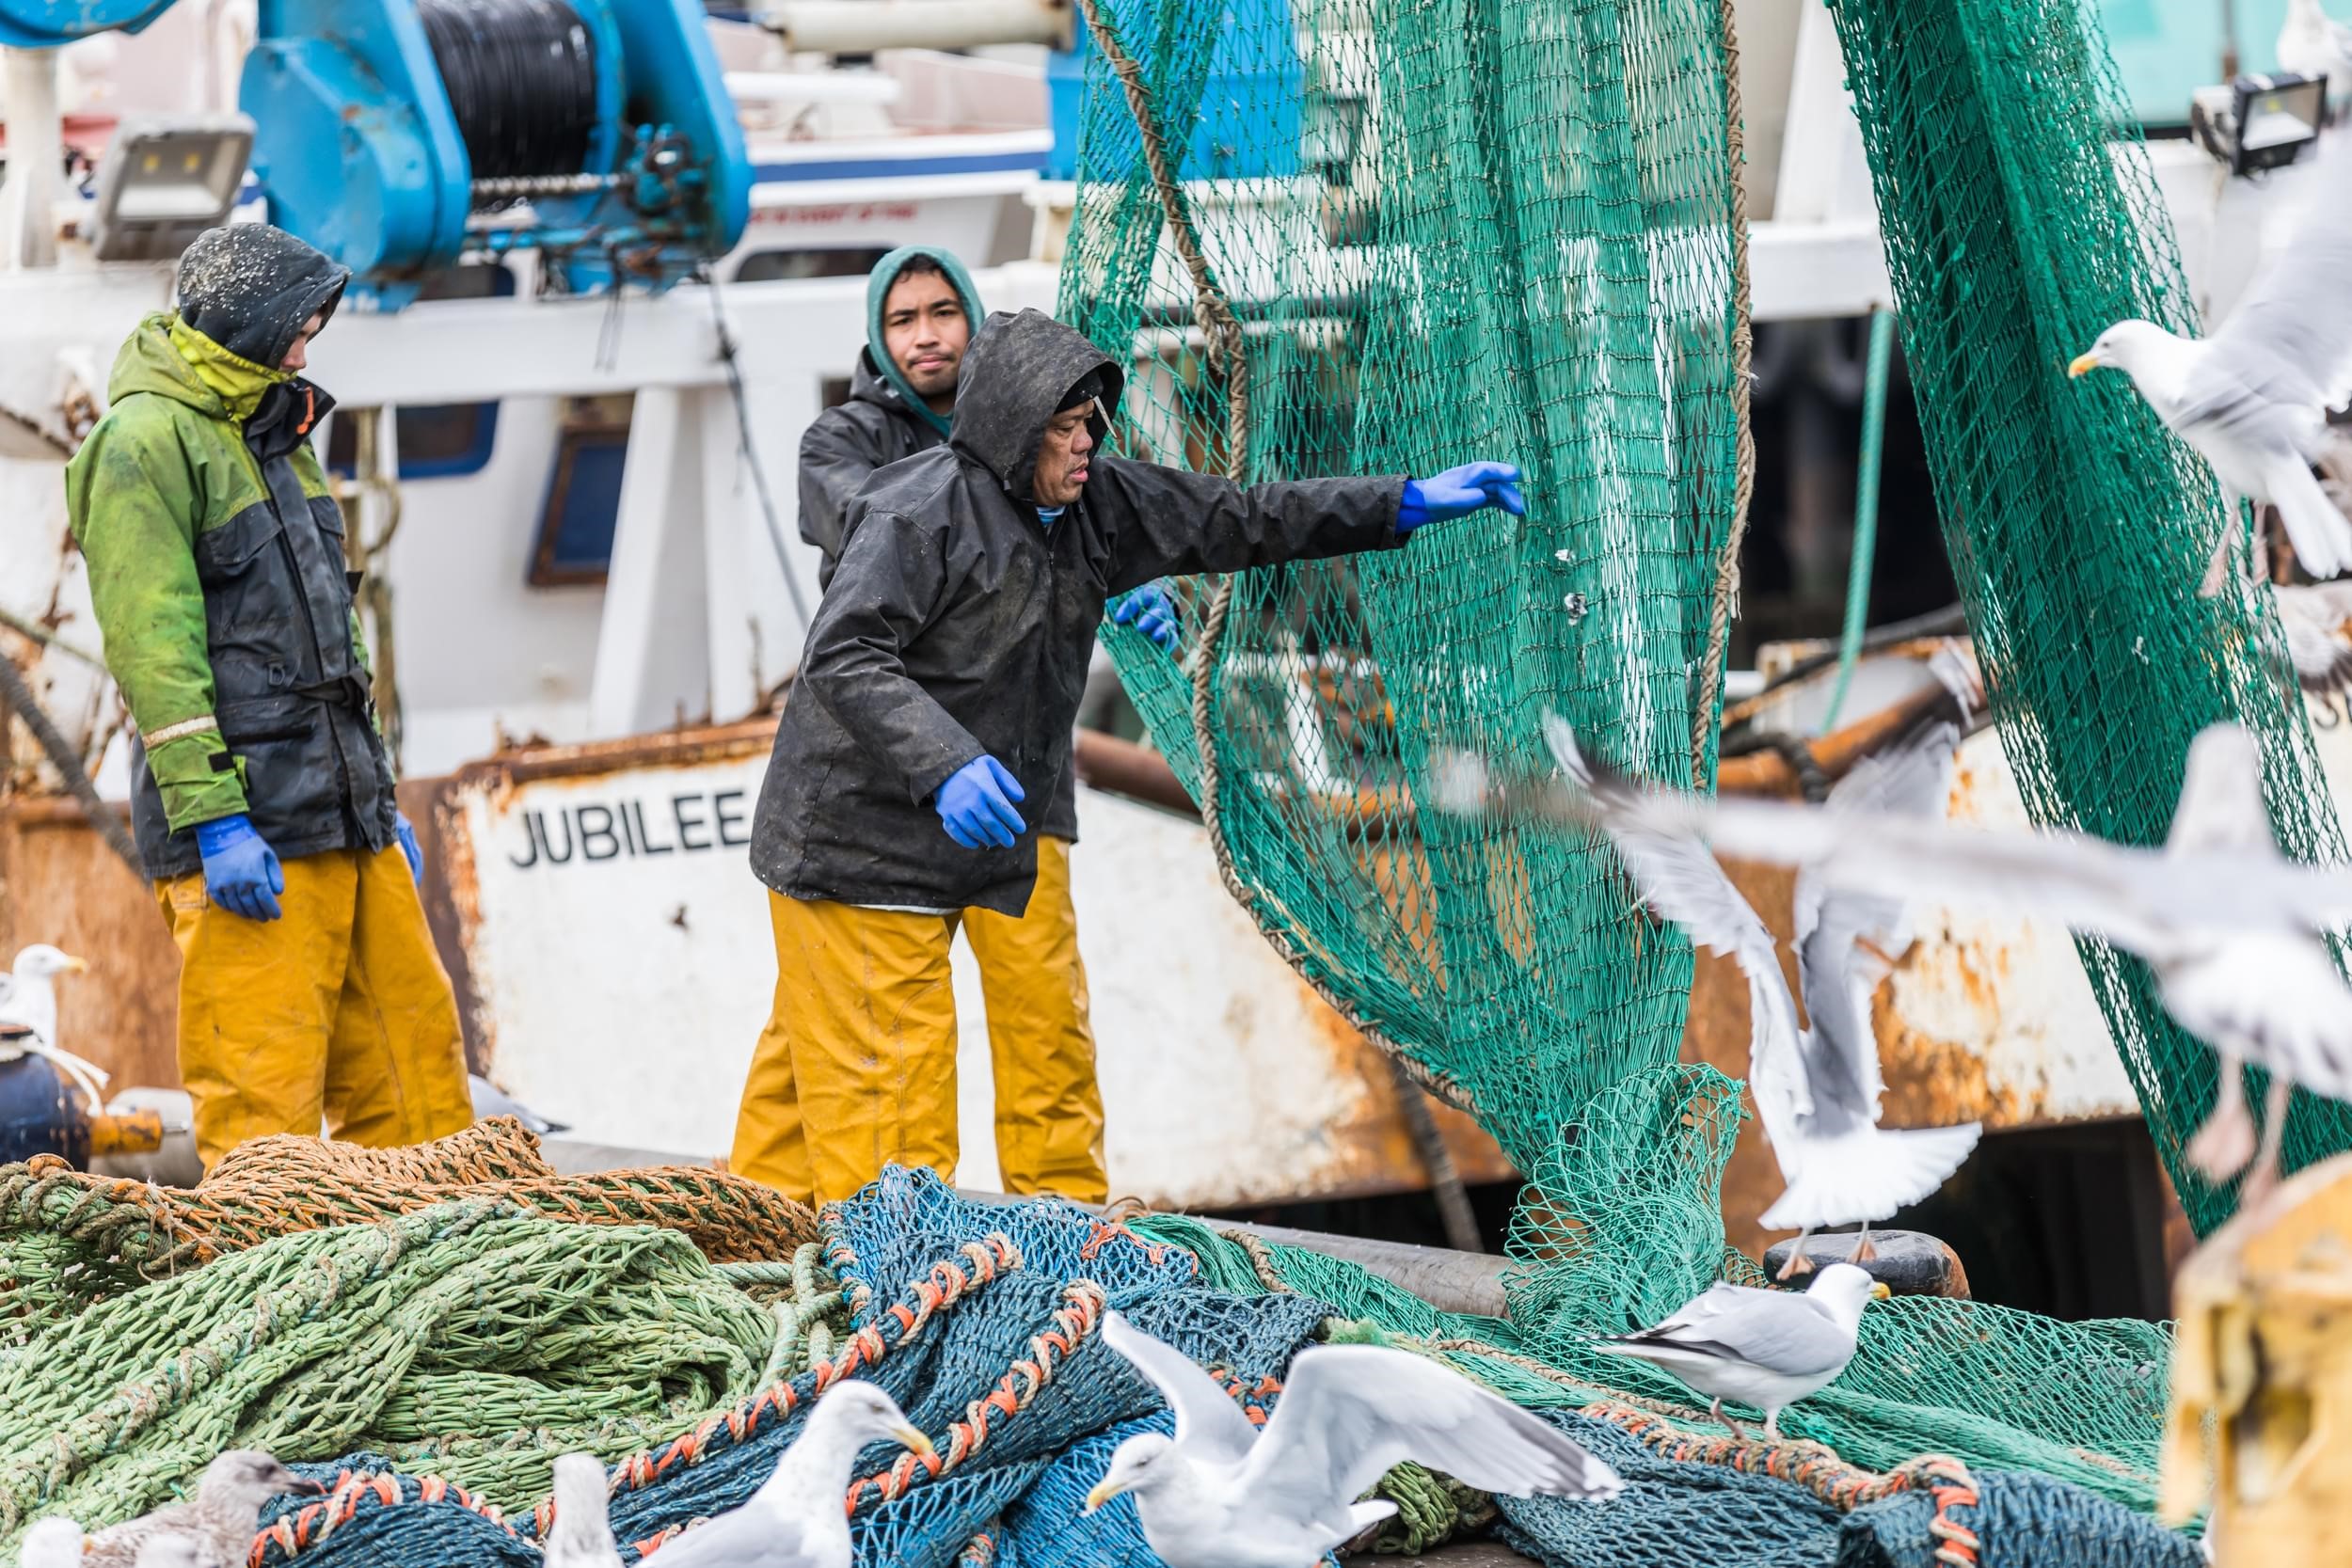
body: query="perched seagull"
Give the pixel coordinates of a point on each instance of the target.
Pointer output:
(581, 1535)
(490, 1100)
(1222, 1495)
(2317, 621)
(52, 1542)
(795, 1520)
(28, 993)
(1817, 1089)
(2313, 43)
(226, 1513)
(1763, 1347)
(2252, 399)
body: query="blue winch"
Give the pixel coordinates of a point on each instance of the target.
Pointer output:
(398, 135)
(48, 24)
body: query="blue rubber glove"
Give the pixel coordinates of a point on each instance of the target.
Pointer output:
(241, 870)
(1150, 611)
(975, 804)
(1458, 491)
(408, 837)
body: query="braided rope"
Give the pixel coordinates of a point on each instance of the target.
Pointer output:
(1820, 1471)
(1742, 361)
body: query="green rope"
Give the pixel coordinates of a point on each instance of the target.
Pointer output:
(1866, 510)
(471, 1316)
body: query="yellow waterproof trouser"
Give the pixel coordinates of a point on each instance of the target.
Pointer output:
(1040, 1039)
(338, 1012)
(856, 1068)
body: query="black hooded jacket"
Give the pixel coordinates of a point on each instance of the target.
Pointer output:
(956, 626)
(842, 448)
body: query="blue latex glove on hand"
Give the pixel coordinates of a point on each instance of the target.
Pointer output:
(1458, 491)
(408, 837)
(1150, 611)
(241, 870)
(975, 804)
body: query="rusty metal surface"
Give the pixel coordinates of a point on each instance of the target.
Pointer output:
(60, 884)
(1984, 1020)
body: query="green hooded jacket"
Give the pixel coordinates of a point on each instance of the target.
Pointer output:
(214, 552)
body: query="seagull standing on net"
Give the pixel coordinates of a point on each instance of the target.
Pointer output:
(1220, 1494)
(2231, 927)
(581, 1535)
(225, 1513)
(795, 1520)
(1817, 1088)
(1767, 1349)
(2252, 399)
(51, 1543)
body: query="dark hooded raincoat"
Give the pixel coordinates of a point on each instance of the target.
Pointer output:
(958, 626)
(216, 556)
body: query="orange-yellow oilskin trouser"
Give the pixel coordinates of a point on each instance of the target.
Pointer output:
(856, 1068)
(340, 1011)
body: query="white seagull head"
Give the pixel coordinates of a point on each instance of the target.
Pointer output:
(1142, 1464)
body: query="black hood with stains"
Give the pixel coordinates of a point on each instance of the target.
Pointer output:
(250, 287)
(1014, 379)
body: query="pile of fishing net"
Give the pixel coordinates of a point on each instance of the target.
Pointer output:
(430, 1365)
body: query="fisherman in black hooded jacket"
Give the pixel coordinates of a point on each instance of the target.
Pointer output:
(937, 693)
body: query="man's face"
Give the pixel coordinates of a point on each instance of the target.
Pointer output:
(1061, 457)
(299, 355)
(925, 331)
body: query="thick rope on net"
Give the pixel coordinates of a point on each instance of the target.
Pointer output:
(67, 1237)
(429, 1366)
(2018, 225)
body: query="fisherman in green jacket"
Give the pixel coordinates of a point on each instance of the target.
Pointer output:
(262, 795)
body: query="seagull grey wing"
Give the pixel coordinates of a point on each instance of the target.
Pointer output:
(1210, 1427)
(1847, 939)
(2290, 338)
(2111, 889)
(1349, 1414)
(1679, 879)
(748, 1537)
(1776, 1330)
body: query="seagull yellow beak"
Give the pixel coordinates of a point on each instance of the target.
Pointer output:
(2082, 364)
(914, 1439)
(1879, 1290)
(76, 966)
(1102, 1494)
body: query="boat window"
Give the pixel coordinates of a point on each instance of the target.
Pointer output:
(775, 266)
(440, 440)
(584, 504)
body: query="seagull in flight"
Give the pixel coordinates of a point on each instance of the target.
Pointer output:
(2252, 397)
(1817, 1087)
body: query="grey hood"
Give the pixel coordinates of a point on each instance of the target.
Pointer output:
(1014, 377)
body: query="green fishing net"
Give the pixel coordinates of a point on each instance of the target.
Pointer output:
(1372, 236)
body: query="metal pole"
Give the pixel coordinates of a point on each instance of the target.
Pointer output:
(28, 220)
(862, 26)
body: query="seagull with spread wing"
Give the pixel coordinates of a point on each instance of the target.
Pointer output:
(2231, 927)
(2252, 398)
(1220, 1494)
(795, 1520)
(1816, 1087)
